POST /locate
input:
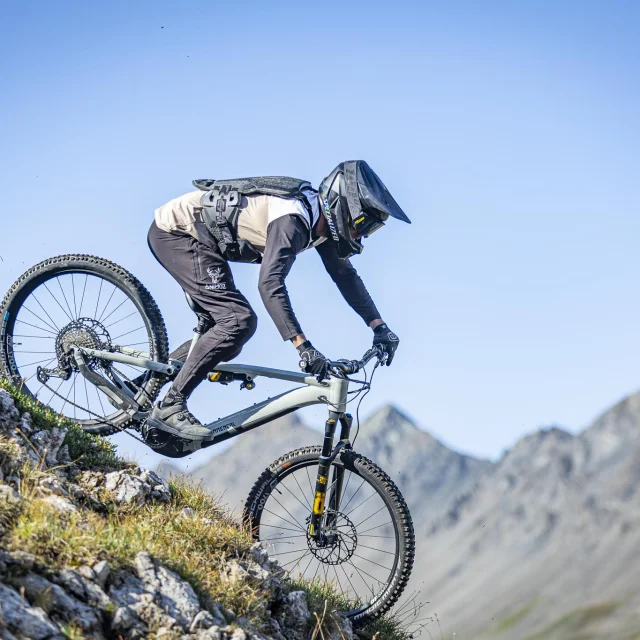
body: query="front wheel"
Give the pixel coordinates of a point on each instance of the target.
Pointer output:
(370, 555)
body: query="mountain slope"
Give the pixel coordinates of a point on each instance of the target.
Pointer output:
(549, 537)
(428, 473)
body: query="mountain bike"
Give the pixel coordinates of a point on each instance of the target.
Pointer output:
(84, 337)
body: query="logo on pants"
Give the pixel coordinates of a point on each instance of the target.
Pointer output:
(216, 275)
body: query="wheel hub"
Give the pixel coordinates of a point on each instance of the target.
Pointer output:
(86, 333)
(337, 544)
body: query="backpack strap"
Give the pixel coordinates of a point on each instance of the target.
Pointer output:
(220, 211)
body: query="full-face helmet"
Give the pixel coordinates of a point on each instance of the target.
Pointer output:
(355, 204)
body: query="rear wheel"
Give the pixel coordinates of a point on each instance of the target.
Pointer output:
(372, 545)
(89, 302)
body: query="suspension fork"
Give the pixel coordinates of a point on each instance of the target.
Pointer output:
(329, 454)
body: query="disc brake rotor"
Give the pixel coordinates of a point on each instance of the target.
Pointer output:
(340, 543)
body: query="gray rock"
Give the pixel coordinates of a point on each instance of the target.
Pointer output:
(5, 634)
(9, 415)
(63, 455)
(84, 588)
(26, 424)
(238, 634)
(203, 620)
(48, 443)
(8, 494)
(126, 488)
(62, 605)
(60, 504)
(52, 485)
(294, 612)
(172, 594)
(159, 486)
(213, 633)
(102, 571)
(127, 623)
(86, 572)
(24, 620)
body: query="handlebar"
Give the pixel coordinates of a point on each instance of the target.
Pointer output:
(353, 366)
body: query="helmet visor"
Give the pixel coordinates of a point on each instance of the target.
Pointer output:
(364, 226)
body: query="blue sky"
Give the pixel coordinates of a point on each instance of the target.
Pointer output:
(507, 131)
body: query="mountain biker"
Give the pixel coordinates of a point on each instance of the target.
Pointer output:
(268, 220)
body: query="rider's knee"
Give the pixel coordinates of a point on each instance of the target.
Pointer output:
(248, 322)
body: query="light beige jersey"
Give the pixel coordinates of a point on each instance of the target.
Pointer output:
(183, 215)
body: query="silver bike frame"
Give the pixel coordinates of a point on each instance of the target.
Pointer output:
(331, 392)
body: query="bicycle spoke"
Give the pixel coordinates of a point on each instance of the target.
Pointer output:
(67, 398)
(24, 366)
(301, 491)
(103, 320)
(355, 555)
(128, 332)
(273, 526)
(366, 574)
(104, 413)
(36, 327)
(277, 539)
(86, 277)
(108, 301)
(64, 296)
(354, 508)
(378, 526)
(45, 311)
(57, 302)
(304, 506)
(56, 391)
(20, 351)
(353, 496)
(292, 516)
(371, 516)
(296, 560)
(121, 319)
(364, 546)
(283, 519)
(22, 335)
(95, 314)
(33, 313)
(73, 288)
(305, 570)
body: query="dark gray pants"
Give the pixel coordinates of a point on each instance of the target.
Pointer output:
(205, 275)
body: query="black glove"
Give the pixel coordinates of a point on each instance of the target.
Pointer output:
(385, 338)
(312, 361)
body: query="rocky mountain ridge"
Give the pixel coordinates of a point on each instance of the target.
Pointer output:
(429, 474)
(540, 544)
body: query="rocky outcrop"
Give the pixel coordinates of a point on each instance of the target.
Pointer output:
(143, 600)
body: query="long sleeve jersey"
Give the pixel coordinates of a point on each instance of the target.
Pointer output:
(280, 229)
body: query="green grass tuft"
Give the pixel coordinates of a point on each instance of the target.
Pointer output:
(88, 451)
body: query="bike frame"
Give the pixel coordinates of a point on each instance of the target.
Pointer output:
(331, 392)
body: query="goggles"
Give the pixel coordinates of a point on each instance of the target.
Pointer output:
(364, 226)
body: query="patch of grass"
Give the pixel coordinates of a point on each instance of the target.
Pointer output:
(573, 625)
(323, 599)
(196, 547)
(89, 451)
(514, 618)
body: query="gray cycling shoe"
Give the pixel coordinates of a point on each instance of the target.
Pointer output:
(172, 415)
